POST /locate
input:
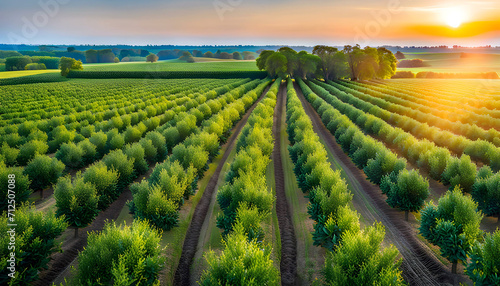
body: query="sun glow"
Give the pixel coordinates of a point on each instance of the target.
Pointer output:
(454, 17)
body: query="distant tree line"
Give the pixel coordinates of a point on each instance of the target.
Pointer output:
(329, 63)
(32, 63)
(415, 63)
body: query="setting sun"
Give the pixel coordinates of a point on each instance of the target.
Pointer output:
(454, 17)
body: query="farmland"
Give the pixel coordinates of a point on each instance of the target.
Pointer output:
(284, 175)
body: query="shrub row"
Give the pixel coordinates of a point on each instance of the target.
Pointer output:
(479, 149)
(245, 201)
(357, 257)
(60, 134)
(80, 199)
(442, 112)
(245, 196)
(159, 198)
(437, 161)
(453, 225)
(405, 190)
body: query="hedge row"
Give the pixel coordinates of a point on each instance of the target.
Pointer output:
(167, 74)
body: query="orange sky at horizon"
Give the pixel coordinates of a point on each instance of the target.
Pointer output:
(292, 22)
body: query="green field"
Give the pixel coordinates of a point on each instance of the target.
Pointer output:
(452, 63)
(12, 74)
(176, 65)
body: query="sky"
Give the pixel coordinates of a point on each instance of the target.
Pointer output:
(246, 22)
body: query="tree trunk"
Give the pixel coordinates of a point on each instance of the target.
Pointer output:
(454, 268)
(406, 215)
(76, 231)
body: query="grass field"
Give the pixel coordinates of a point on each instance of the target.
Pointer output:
(176, 65)
(12, 74)
(452, 63)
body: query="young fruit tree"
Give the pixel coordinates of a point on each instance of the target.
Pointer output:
(408, 192)
(453, 225)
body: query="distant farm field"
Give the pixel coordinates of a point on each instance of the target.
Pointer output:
(175, 65)
(12, 74)
(453, 63)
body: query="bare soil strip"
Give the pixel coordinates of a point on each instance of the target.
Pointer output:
(420, 266)
(182, 274)
(288, 263)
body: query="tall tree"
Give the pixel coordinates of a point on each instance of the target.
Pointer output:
(152, 58)
(276, 65)
(387, 63)
(306, 64)
(261, 60)
(291, 57)
(326, 54)
(353, 55)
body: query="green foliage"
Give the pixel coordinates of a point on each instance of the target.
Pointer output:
(484, 266)
(359, 260)
(68, 64)
(105, 182)
(453, 225)
(9, 154)
(152, 58)
(71, 155)
(35, 235)
(118, 161)
(17, 63)
(30, 149)
(126, 254)
(460, 172)
(18, 191)
(409, 192)
(136, 152)
(241, 263)
(43, 171)
(76, 201)
(151, 204)
(35, 66)
(486, 192)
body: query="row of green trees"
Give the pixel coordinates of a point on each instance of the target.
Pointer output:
(453, 224)
(329, 63)
(356, 257)
(159, 198)
(27, 62)
(42, 171)
(437, 161)
(419, 112)
(80, 198)
(245, 200)
(447, 114)
(405, 190)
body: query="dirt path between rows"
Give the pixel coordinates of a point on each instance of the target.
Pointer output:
(288, 263)
(420, 266)
(191, 242)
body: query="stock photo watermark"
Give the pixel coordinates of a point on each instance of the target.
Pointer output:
(11, 224)
(224, 6)
(39, 19)
(381, 18)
